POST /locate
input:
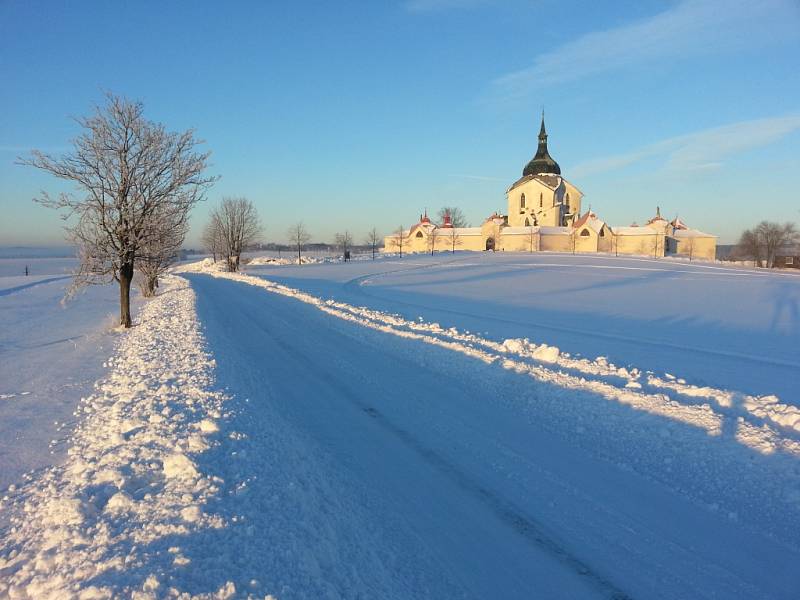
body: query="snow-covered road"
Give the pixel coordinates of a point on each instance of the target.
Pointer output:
(432, 473)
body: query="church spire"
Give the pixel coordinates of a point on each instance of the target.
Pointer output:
(542, 162)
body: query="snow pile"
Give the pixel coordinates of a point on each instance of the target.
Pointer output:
(524, 347)
(273, 261)
(109, 522)
(206, 265)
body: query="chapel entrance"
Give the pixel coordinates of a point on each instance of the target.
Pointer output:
(490, 243)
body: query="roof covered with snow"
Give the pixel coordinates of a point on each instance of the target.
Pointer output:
(590, 220)
(555, 230)
(634, 231)
(520, 230)
(691, 233)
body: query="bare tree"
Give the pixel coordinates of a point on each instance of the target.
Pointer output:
(344, 241)
(749, 246)
(457, 217)
(398, 239)
(452, 237)
(160, 250)
(373, 239)
(128, 169)
(298, 236)
(212, 238)
(433, 235)
(533, 238)
(763, 241)
(237, 224)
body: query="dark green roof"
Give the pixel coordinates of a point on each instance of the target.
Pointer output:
(542, 162)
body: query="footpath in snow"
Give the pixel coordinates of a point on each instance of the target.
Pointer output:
(108, 522)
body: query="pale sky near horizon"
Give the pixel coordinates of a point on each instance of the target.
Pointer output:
(351, 115)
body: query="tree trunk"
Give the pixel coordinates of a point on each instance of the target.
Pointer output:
(298, 255)
(150, 286)
(125, 278)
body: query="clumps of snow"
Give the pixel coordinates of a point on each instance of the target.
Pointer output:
(524, 347)
(179, 466)
(273, 261)
(92, 527)
(208, 426)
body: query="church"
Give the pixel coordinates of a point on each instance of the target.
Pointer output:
(544, 214)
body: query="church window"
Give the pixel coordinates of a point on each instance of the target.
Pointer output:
(522, 201)
(419, 234)
(603, 232)
(527, 222)
(541, 199)
(585, 233)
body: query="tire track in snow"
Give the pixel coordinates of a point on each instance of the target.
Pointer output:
(506, 511)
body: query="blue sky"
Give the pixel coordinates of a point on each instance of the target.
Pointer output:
(349, 115)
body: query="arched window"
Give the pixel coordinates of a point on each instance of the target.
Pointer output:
(522, 201)
(527, 222)
(541, 199)
(603, 232)
(585, 233)
(419, 234)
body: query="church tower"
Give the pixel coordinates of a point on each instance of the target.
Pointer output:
(542, 162)
(541, 197)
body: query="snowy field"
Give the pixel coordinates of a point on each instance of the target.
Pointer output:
(50, 356)
(467, 426)
(727, 327)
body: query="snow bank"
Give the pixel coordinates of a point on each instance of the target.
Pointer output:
(97, 526)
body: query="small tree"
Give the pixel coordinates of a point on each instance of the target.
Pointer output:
(457, 218)
(344, 241)
(453, 239)
(398, 239)
(160, 250)
(298, 237)
(237, 225)
(212, 238)
(533, 238)
(433, 235)
(373, 239)
(128, 169)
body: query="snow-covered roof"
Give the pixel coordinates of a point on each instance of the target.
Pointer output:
(590, 220)
(678, 224)
(554, 230)
(520, 230)
(460, 231)
(634, 231)
(548, 180)
(691, 233)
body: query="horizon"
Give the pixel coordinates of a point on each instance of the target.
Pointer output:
(364, 116)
